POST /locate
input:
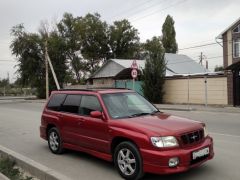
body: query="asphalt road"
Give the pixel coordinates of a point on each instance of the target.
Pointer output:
(19, 131)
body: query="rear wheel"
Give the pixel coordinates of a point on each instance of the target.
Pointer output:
(128, 161)
(55, 141)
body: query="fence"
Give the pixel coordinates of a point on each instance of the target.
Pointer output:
(8, 91)
(209, 89)
(196, 90)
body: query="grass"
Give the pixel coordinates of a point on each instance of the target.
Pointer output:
(8, 168)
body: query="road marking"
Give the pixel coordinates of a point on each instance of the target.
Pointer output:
(224, 134)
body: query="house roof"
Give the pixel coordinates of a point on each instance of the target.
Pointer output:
(229, 27)
(176, 65)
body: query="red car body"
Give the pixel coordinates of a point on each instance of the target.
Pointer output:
(99, 136)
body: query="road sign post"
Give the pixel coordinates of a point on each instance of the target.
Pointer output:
(134, 72)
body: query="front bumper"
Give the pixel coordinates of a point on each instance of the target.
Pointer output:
(157, 161)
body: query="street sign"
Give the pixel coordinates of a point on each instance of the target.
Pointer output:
(134, 73)
(134, 65)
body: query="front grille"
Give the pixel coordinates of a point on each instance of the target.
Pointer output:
(193, 137)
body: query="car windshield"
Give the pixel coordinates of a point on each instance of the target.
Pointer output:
(127, 105)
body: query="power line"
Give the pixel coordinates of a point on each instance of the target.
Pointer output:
(137, 11)
(197, 60)
(203, 45)
(159, 10)
(129, 9)
(198, 46)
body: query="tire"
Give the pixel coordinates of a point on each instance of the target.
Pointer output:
(128, 161)
(55, 141)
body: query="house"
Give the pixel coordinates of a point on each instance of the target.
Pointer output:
(231, 60)
(186, 81)
(119, 69)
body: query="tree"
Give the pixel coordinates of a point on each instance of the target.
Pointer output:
(27, 47)
(154, 71)
(123, 40)
(4, 82)
(94, 40)
(169, 36)
(70, 29)
(218, 68)
(29, 50)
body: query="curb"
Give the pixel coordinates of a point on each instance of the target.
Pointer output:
(3, 177)
(34, 168)
(203, 109)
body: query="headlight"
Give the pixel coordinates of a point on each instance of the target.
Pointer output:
(205, 131)
(167, 141)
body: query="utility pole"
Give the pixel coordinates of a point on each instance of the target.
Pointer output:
(201, 58)
(206, 64)
(48, 61)
(46, 69)
(8, 77)
(53, 72)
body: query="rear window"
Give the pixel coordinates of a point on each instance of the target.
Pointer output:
(71, 103)
(56, 101)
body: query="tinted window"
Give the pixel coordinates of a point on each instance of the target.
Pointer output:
(88, 104)
(71, 104)
(56, 101)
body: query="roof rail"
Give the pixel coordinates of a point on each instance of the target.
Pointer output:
(92, 89)
(75, 90)
(106, 88)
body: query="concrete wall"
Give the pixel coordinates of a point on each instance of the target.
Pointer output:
(176, 90)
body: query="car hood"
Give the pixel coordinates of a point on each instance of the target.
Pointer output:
(160, 124)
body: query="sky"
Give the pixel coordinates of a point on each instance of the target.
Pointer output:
(197, 22)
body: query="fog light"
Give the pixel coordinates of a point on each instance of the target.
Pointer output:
(173, 162)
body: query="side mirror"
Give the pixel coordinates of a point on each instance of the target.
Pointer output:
(96, 114)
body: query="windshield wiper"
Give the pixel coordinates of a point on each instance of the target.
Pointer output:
(154, 112)
(139, 114)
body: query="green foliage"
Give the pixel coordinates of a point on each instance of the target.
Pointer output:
(218, 68)
(94, 41)
(4, 82)
(29, 50)
(69, 29)
(169, 36)
(154, 71)
(123, 40)
(7, 167)
(27, 47)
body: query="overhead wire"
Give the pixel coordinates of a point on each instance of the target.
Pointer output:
(145, 9)
(132, 8)
(158, 11)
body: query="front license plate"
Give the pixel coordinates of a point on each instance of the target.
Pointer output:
(200, 153)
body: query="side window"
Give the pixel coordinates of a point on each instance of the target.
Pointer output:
(56, 101)
(71, 103)
(88, 104)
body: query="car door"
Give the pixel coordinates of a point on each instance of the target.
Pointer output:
(94, 131)
(70, 119)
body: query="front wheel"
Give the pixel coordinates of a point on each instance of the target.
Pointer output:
(128, 161)
(54, 141)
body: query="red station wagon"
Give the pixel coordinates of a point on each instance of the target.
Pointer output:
(120, 125)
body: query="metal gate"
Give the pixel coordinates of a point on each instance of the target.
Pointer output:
(129, 85)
